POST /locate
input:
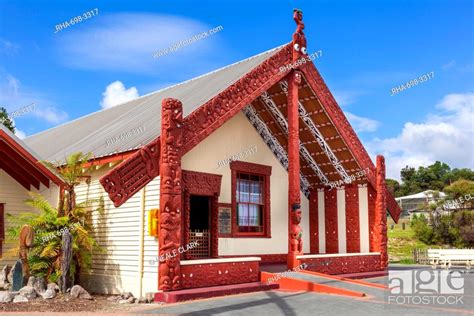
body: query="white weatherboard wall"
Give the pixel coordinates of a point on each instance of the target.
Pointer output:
(14, 195)
(236, 136)
(117, 269)
(341, 221)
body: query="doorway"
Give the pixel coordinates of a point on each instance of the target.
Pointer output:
(199, 225)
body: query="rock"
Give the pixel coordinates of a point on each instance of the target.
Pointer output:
(28, 291)
(78, 291)
(50, 292)
(129, 300)
(20, 299)
(126, 295)
(113, 298)
(31, 281)
(40, 284)
(17, 276)
(141, 300)
(4, 275)
(7, 286)
(6, 297)
(150, 297)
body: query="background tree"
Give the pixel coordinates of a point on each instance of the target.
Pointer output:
(6, 120)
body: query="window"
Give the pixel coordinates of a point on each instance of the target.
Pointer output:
(250, 203)
(250, 199)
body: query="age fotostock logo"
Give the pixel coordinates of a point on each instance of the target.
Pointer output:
(422, 287)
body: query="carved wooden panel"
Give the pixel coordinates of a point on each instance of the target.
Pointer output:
(313, 222)
(133, 174)
(330, 205)
(352, 218)
(343, 265)
(214, 274)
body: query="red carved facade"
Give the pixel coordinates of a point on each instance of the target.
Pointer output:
(265, 258)
(352, 218)
(200, 183)
(213, 274)
(343, 265)
(132, 175)
(381, 213)
(170, 194)
(334, 112)
(212, 114)
(371, 200)
(330, 216)
(313, 222)
(251, 168)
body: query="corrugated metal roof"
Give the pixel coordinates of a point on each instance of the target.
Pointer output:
(137, 122)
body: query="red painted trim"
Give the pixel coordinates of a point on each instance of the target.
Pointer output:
(2, 227)
(203, 275)
(169, 240)
(19, 177)
(206, 184)
(381, 213)
(352, 218)
(330, 216)
(343, 279)
(371, 201)
(266, 258)
(18, 163)
(256, 169)
(344, 128)
(313, 222)
(298, 285)
(111, 158)
(28, 159)
(214, 113)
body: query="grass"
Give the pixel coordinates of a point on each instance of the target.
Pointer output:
(401, 242)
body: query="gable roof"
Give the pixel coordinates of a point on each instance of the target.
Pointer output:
(22, 163)
(130, 125)
(330, 149)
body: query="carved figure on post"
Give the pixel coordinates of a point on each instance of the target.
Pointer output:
(296, 231)
(170, 194)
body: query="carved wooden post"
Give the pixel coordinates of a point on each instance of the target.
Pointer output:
(380, 234)
(295, 241)
(170, 195)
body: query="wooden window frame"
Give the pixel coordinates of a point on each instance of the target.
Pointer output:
(253, 169)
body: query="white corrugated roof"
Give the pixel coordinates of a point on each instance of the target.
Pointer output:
(141, 117)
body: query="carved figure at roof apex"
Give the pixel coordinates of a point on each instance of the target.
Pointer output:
(299, 39)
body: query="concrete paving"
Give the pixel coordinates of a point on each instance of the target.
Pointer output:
(302, 303)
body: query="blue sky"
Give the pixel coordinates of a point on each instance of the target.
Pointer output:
(369, 47)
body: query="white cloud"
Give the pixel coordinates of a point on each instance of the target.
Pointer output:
(345, 98)
(20, 134)
(116, 94)
(362, 124)
(127, 42)
(447, 135)
(8, 48)
(51, 115)
(14, 96)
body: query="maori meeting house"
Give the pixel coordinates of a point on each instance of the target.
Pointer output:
(232, 171)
